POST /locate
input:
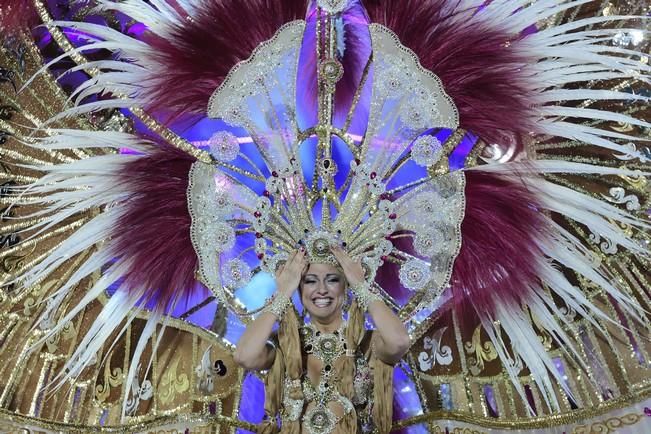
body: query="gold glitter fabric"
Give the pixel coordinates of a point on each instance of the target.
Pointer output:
(575, 357)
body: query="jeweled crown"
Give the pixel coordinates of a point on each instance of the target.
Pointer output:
(321, 184)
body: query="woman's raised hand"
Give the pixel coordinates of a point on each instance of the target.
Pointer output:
(353, 270)
(289, 274)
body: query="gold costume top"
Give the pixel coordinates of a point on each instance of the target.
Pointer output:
(323, 404)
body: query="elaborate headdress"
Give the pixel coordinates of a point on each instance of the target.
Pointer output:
(320, 184)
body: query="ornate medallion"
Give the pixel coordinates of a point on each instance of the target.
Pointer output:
(320, 420)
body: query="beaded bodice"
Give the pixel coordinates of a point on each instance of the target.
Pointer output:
(316, 408)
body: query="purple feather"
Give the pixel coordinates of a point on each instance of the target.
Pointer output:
(153, 234)
(198, 55)
(501, 233)
(16, 15)
(477, 62)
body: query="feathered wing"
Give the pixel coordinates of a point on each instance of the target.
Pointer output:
(116, 202)
(138, 190)
(543, 234)
(78, 197)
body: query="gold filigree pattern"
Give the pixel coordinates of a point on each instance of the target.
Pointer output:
(609, 425)
(173, 383)
(479, 351)
(112, 378)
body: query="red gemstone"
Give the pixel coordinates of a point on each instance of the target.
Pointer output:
(274, 174)
(260, 255)
(258, 235)
(257, 214)
(358, 161)
(384, 257)
(266, 193)
(393, 216)
(373, 175)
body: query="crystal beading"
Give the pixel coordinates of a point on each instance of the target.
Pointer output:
(278, 305)
(364, 295)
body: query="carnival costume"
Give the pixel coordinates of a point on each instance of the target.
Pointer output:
(485, 162)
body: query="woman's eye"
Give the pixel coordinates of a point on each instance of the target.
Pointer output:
(333, 281)
(309, 282)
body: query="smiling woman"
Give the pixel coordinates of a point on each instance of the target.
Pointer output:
(323, 293)
(333, 375)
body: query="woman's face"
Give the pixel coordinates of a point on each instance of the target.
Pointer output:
(323, 290)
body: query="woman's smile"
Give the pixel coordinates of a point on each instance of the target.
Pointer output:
(322, 291)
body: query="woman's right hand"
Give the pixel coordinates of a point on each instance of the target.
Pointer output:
(289, 275)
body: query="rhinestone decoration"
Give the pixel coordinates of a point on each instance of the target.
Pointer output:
(331, 71)
(362, 381)
(223, 237)
(274, 185)
(272, 262)
(223, 203)
(231, 113)
(327, 347)
(332, 6)
(327, 168)
(224, 146)
(431, 206)
(236, 273)
(318, 247)
(418, 116)
(391, 82)
(260, 245)
(261, 214)
(426, 151)
(415, 274)
(429, 242)
(320, 420)
(293, 407)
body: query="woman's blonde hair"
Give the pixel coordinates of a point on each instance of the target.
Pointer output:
(288, 363)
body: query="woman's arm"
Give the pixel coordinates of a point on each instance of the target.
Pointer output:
(390, 339)
(254, 352)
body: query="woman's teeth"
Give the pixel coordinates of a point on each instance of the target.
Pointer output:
(322, 302)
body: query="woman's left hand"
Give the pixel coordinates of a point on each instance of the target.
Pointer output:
(353, 270)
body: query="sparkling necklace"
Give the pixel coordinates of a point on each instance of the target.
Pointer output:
(327, 347)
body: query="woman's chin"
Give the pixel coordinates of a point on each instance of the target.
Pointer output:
(324, 313)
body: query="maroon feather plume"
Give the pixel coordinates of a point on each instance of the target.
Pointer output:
(16, 15)
(474, 60)
(154, 232)
(198, 55)
(501, 232)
